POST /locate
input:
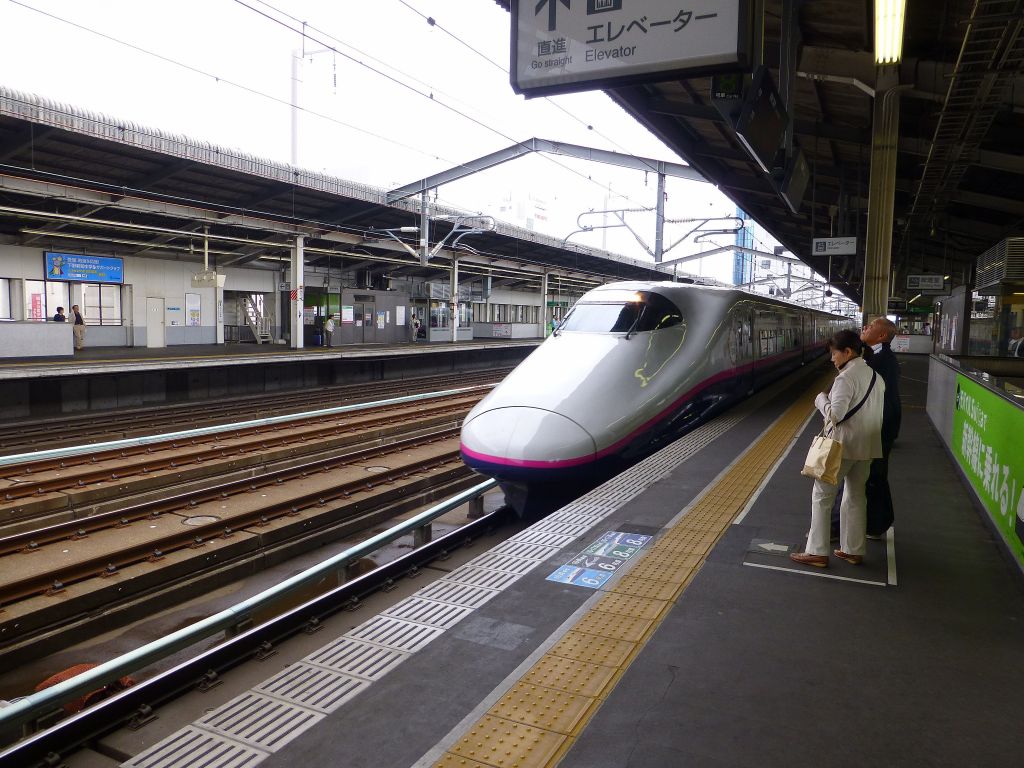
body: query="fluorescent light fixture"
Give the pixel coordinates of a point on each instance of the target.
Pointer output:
(889, 15)
(914, 299)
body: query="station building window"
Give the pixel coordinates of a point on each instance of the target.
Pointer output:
(5, 299)
(102, 304)
(42, 297)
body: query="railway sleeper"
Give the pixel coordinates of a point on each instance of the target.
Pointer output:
(109, 604)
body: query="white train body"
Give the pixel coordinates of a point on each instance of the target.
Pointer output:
(633, 366)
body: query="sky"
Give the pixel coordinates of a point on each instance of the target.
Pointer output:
(397, 100)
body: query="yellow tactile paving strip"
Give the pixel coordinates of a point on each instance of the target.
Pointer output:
(536, 722)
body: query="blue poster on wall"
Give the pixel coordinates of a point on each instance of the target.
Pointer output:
(84, 269)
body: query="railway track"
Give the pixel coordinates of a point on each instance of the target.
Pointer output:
(73, 486)
(84, 429)
(66, 582)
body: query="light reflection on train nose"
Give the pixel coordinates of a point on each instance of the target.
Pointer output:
(519, 434)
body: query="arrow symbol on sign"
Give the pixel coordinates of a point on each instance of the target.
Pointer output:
(552, 8)
(772, 547)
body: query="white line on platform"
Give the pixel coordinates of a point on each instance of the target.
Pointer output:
(819, 575)
(771, 472)
(890, 552)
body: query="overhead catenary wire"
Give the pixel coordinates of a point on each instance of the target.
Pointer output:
(304, 26)
(226, 81)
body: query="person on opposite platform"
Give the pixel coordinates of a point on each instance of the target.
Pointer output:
(854, 406)
(78, 328)
(59, 316)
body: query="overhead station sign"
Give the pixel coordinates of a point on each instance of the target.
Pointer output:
(560, 46)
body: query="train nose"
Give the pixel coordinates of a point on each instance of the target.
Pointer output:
(525, 437)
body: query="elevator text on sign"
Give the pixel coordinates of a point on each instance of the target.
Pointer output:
(573, 45)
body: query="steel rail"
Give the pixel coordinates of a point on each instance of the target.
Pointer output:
(26, 711)
(204, 413)
(141, 461)
(107, 564)
(33, 540)
(57, 453)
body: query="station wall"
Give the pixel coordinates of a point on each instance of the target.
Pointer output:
(164, 281)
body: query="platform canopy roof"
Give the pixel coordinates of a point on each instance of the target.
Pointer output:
(960, 160)
(77, 181)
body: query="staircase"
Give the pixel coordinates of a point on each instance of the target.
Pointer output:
(258, 324)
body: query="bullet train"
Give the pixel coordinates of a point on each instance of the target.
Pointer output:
(633, 366)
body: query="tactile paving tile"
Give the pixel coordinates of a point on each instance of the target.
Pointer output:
(631, 605)
(652, 588)
(543, 538)
(525, 549)
(629, 628)
(195, 746)
(354, 657)
(395, 633)
(436, 614)
(461, 594)
(570, 675)
(503, 563)
(448, 760)
(674, 574)
(542, 707)
(672, 558)
(593, 649)
(311, 686)
(503, 743)
(260, 721)
(482, 577)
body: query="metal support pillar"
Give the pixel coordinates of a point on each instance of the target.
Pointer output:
(422, 536)
(298, 294)
(881, 195)
(424, 228)
(476, 508)
(455, 300)
(546, 313)
(659, 232)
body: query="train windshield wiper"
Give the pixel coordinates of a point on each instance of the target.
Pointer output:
(636, 322)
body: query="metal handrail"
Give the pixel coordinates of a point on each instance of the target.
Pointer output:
(57, 453)
(26, 710)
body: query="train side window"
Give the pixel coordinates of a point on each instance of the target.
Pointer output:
(658, 313)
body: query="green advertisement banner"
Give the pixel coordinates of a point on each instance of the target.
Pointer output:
(985, 430)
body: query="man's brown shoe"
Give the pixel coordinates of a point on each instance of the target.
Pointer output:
(855, 559)
(805, 558)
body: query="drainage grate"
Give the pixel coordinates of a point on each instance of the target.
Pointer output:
(443, 615)
(525, 550)
(550, 525)
(505, 563)
(482, 577)
(192, 746)
(395, 633)
(543, 538)
(353, 657)
(260, 720)
(315, 687)
(460, 594)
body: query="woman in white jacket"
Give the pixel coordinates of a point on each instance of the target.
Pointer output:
(855, 406)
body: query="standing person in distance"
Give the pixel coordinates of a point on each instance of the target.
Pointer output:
(415, 329)
(878, 334)
(58, 316)
(854, 405)
(78, 328)
(328, 330)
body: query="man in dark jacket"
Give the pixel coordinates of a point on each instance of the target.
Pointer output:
(879, 333)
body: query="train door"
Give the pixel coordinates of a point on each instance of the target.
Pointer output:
(741, 349)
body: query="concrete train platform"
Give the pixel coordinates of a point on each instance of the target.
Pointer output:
(656, 621)
(105, 378)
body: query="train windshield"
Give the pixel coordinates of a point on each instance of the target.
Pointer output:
(622, 312)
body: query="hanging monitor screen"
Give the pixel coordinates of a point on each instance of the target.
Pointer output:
(762, 122)
(794, 183)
